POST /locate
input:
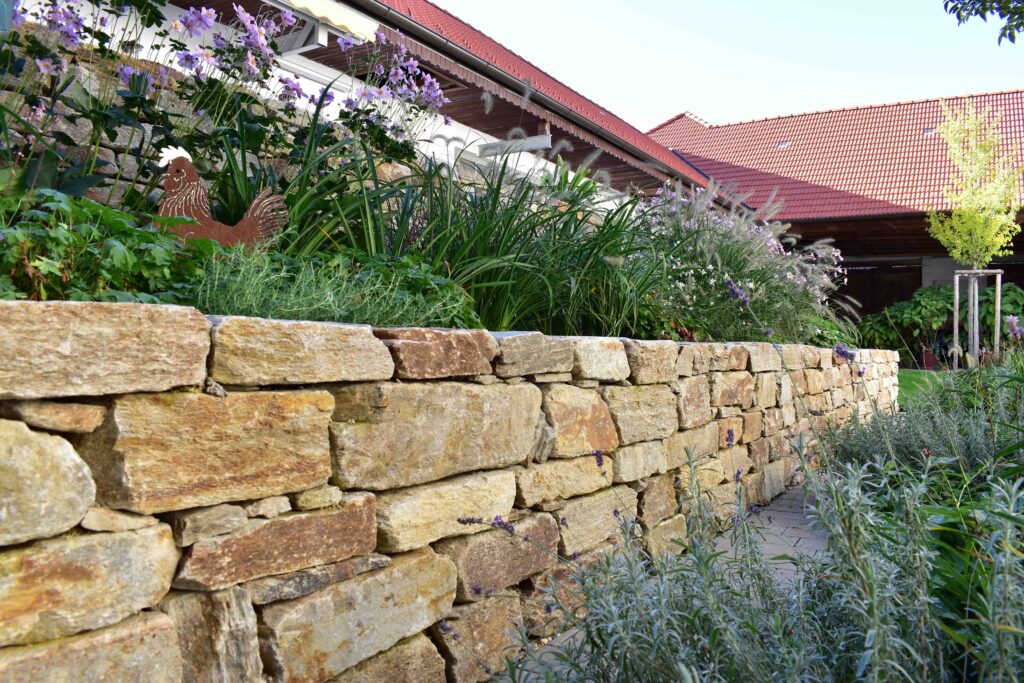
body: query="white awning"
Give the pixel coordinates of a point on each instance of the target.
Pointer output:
(338, 16)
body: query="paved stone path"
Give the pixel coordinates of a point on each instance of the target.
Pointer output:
(785, 530)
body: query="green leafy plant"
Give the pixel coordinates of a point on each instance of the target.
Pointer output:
(350, 288)
(53, 246)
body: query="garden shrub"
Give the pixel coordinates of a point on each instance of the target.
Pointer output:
(375, 291)
(57, 247)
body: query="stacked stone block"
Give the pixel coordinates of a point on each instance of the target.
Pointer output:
(234, 499)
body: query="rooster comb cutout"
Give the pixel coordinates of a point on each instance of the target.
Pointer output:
(169, 154)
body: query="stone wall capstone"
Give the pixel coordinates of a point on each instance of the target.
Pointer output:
(352, 504)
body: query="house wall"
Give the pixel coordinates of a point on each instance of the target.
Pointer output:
(226, 498)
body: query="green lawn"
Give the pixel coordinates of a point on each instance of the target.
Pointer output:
(913, 382)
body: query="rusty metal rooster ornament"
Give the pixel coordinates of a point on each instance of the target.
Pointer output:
(185, 197)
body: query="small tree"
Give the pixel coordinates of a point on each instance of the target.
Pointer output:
(983, 190)
(1010, 12)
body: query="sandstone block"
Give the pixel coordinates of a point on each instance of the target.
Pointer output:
(777, 476)
(143, 648)
(254, 351)
(581, 420)
(216, 635)
(563, 478)
(639, 460)
(735, 460)
(599, 358)
(651, 362)
(268, 508)
(190, 526)
(792, 357)
(531, 353)
(786, 388)
(813, 381)
(694, 401)
(397, 435)
(732, 389)
(45, 488)
(421, 353)
(76, 418)
(752, 424)
(701, 442)
(475, 638)
(283, 544)
(666, 538)
(708, 472)
(494, 560)
(412, 659)
(322, 634)
(591, 520)
(102, 519)
(694, 359)
(759, 453)
(66, 348)
(730, 431)
(413, 517)
(305, 581)
(314, 499)
(753, 488)
(766, 391)
(160, 452)
(58, 587)
(658, 500)
(643, 413)
(773, 421)
(763, 357)
(728, 357)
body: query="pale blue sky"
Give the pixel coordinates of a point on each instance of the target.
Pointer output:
(734, 60)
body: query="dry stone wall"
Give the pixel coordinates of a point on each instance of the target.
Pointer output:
(231, 499)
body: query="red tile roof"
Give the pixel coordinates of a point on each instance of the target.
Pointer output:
(843, 163)
(470, 39)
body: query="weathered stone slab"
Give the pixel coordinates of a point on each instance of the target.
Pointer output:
(665, 538)
(160, 452)
(651, 362)
(413, 517)
(268, 508)
(45, 488)
(493, 560)
(694, 359)
(562, 478)
(102, 519)
(58, 587)
(190, 526)
(735, 460)
(599, 358)
(531, 353)
(54, 416)
(216, 635)
(753, 488)
(283, 544)
(66, 348)
(752, 424)
(475, 639)
(792, 357)
(314, 499)
(325, 633)
(766, 390)
(708, 473)
(658, 500)
(694, 401)
(701, 441)
(413, 659)
(255, 351)
(639, 460)
(763, 357)
(143, 648)
(643, 413)
(730, 430)
(732, 389)
(591, 520)
(728, 357)
(777, 476)
(305, 581)
(395, 435)
(421, 353)
(581, 421)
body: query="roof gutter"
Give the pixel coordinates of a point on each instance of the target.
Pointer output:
(410, 26)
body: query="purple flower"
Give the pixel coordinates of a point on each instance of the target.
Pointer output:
(563, 522)
(444, 627)
(861, 371)
(767, 332)
(843, 352)
(345, 44)
(736, 477)
(730, 437)
(1012, 324)
(327, 95)
(63, 18)
(599, 454)
(470, 520)
(287, 19)
(381, 38)
(499, 523)
(18, 14)
(188, 60)
(37, 112)
(48, 67)
(124, 73)
(477, 589)
(198, 21)
(736, 293)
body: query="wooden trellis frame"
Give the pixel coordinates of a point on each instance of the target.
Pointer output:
(973, 331)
